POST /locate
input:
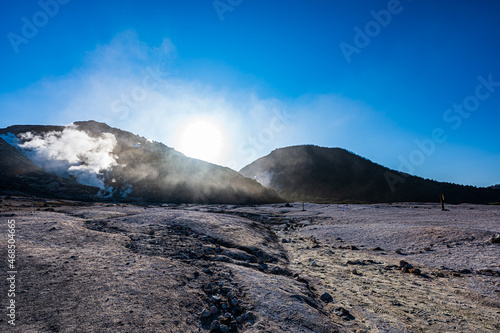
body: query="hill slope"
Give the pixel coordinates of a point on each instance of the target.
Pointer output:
(123, 166)
(18, 175)
(316, 174)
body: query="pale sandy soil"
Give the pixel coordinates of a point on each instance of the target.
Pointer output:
(125, 268)
(458, 289)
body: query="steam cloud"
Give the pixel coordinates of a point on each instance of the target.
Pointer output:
(72, 153)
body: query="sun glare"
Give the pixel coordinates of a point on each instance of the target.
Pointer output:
(201, 139)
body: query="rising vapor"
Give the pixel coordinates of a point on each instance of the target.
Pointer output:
(72, 153)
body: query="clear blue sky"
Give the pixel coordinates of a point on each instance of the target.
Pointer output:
(269, 74)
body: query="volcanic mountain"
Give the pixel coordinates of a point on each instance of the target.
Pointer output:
(93, 160)
(328, 175)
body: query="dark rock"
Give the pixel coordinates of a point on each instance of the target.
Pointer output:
(326, 297)
(415, 271)
(403, 263)
(341, 312)
(495, 239)
(214, 326)
(249, 316)
(389, 267)
(224, 329)
(205, 313)
(488, 272)
(280, 271)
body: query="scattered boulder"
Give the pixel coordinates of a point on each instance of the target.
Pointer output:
(205, 313)
(343, 313)
(495, 239)
(488, 272)
(391, 267)
(214, 326)
(403, 264)
(326, 297)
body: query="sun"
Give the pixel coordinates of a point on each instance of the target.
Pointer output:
(202, 139)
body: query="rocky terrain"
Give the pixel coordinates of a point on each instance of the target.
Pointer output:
(104, 267)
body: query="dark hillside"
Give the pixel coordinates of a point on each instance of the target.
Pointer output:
(317, 174)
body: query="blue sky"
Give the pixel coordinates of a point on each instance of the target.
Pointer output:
(268, 74)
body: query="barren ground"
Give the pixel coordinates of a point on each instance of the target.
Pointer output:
(184, 268)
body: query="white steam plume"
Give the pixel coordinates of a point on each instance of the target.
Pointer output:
(72, 152)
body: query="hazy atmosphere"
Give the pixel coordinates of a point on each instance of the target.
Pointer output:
(238, 166)
(411, 85)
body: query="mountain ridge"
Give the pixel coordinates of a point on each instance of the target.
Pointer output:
(332, 175)
(128, 167)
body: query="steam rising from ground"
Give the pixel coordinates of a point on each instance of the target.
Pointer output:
(72, 153)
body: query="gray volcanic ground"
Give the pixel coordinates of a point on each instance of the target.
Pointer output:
(215, 268)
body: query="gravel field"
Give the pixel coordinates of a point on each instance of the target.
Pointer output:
(86, 267)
